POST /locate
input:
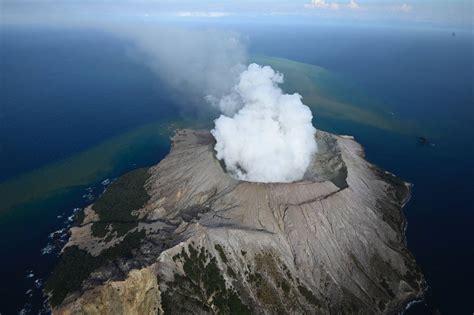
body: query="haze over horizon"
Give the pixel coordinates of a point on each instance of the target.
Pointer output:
(455, 14)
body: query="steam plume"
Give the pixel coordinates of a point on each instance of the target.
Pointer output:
(197, 64)
(270, 138)
(263, 135)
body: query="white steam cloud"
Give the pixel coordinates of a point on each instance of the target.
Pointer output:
(263, 135)
(270, 138)
(197, 64)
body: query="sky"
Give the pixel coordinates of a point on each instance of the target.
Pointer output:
(438, 13)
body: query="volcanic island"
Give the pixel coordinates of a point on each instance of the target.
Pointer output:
(185, 236)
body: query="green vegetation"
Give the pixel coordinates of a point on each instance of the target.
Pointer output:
(397, 187)
(267, 279)
(384, 284)
(284, 286)
(221, 252)
(79, 217)
(99, 229)
(224, 259)
(309, 295)
(202, 282)
(75, 265)
(274, 283)
(115, 206)
(391, 211)
(388, 275)
(413, 274)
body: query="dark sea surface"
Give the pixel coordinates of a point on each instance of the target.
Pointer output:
(76, 108)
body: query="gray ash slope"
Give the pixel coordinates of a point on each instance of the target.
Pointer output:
(204, 242)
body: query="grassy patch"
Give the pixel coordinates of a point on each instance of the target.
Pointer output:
(221, 252)
(269, 280)
(75, 265)
(115, 206)
(309, 295)
(79, 217)
(202, 287)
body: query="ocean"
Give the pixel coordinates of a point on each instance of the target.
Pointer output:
(78, 110)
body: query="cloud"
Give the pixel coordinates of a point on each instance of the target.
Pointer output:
(322, 4)
(207, 14)
(196, 64)
(271, 137)
(353, 5)
(406, 8)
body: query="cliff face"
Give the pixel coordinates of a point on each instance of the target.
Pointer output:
(204, 242)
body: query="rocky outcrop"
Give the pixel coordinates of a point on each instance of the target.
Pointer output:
(136, 295)
(204, 242)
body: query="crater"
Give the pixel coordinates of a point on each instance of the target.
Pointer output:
(326, 165)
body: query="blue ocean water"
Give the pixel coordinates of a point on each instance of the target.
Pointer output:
(63, 91)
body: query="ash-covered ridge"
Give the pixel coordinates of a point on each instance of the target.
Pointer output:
(186, 237)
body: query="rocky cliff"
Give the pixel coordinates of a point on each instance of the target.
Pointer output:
(186, 237)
